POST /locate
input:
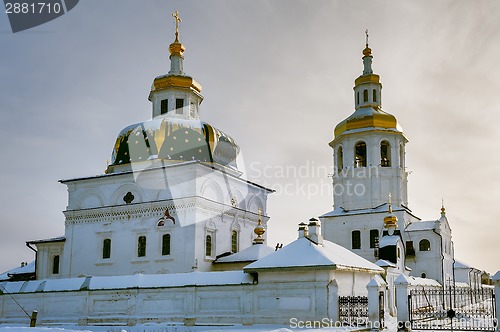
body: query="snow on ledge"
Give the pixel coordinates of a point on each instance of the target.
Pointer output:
(130, 281)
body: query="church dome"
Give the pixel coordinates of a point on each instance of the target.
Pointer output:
(175, 140)
(367, 117)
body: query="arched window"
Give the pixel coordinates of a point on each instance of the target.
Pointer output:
(106, 248)
(234, 241)
(374, 238)
(424, 245)
(208, 245)
(55, 265)
(356, 240)
(365, 95)
(340, 160)
(385, 154)
(165, 244)
(374, 95)
(141, 246)
(360, 154)
(424, 275)
(357, 98)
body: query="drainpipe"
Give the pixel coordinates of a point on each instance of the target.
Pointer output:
(36, 255)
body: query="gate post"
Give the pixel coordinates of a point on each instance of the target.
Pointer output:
(496, 282)
(376, 285)
(401, 283)
(333, 301)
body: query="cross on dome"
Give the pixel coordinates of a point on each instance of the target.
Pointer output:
(177, 19)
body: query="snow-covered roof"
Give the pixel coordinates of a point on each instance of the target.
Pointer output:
(53, 239)
(378, 209)
(384, 263)
(388, 240)
(27, 269)
(422, 225)
(461, 265)
(130, 281)
(250, 254)
(303, 253)
(417, 281)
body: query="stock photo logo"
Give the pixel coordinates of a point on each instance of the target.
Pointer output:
(27, 14)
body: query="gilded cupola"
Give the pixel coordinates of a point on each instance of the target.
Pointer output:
(368, 101)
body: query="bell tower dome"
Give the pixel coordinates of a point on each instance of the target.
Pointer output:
(368, 149)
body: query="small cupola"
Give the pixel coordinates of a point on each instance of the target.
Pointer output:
(176, 94)
(259, 230)
(390, 221)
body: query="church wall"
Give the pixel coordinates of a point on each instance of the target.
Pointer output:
(268, 302)
(339, 229)
(428, 262)
(123, 207)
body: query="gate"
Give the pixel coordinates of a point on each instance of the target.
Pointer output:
(353, 310)
(461, 309)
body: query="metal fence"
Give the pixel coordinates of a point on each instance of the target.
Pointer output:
(459, 309)
(353, 310)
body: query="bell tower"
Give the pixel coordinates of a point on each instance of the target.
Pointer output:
(368, 149)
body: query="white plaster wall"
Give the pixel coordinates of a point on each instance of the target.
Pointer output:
(262, 303)
(195, 195)
(369, 186)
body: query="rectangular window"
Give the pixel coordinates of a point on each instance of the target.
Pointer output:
(106, 249)
(356, 240)
(234, 241)
(410, 250)
(141, 246)
(208, 246)
(165, 245)
(179, 105)
(164, 106)
(192, 110)
(55, 265)
(374, 238)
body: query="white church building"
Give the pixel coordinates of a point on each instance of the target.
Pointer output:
(173, 233)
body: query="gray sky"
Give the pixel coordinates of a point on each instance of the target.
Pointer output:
(277, 77)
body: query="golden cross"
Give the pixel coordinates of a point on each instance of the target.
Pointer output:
(366, 33)
(260, 215)
(177, 20)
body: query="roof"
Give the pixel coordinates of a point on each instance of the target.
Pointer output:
(54, 239)
(422, 226)
(173, 139)
(131, 281)
(384, 263)
(388, 240)
(303, 253)
(382, 208)
(27, 269)
(250, 254)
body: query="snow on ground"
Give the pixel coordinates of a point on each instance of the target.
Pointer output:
(171, 328)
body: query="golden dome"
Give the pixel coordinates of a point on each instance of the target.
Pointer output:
(367, 51)
(175, 81)
(176, 48)
(175, 140)
(367, 117)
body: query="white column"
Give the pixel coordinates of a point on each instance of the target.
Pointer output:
(376, 285)
(333, 301)
(402, 284)
(496, 282)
